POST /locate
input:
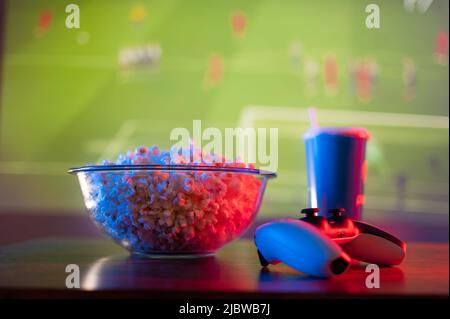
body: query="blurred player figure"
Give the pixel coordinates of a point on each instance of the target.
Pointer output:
(214, 72)
(238, 23)
(409, 79)
(44, 22)
(441, 49)
(311, 71)
(434, 164)
(401, 180)
(330, 75)
(138, 13)
(363, 82)
(351, 69)
(295, 52)
(147, 56)
(152, 54)
(83, 37)
(374, 72)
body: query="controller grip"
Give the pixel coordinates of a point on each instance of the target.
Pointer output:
(374, 245)
(300, 246)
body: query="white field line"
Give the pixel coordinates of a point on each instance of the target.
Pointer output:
(253, 113)
(295, 131)
(130, 126)
(35, 168)
(61, 60)
(60, 168)
(412, 205)
(249, 116)
(295, 179)
(255, 61)
(118, 141)
(111, 150)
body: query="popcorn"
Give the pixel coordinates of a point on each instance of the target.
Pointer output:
(172, 211)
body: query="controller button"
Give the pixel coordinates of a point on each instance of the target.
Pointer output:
(337, 212)
(310, 212)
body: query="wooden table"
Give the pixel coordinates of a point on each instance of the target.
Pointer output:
(37, 269)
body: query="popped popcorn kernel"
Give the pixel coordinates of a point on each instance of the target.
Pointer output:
(173, 211)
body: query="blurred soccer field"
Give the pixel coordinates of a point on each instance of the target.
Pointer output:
(65, 100)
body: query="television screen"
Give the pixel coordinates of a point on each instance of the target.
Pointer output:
(84, 86)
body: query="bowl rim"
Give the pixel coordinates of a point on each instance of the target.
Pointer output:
(170, 167)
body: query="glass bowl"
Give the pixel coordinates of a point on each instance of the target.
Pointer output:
(172, 210)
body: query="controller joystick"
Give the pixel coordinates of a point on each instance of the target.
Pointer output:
(310, 212)
(312, 217)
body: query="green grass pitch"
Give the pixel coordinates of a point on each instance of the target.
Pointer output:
(65, 100)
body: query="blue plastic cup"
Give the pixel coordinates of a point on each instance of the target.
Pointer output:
(336, 166)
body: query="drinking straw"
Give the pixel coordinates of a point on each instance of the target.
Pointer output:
(313, 117)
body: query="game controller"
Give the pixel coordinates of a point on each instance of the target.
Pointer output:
(324, 247)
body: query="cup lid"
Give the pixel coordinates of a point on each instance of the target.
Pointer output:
(357, 132)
